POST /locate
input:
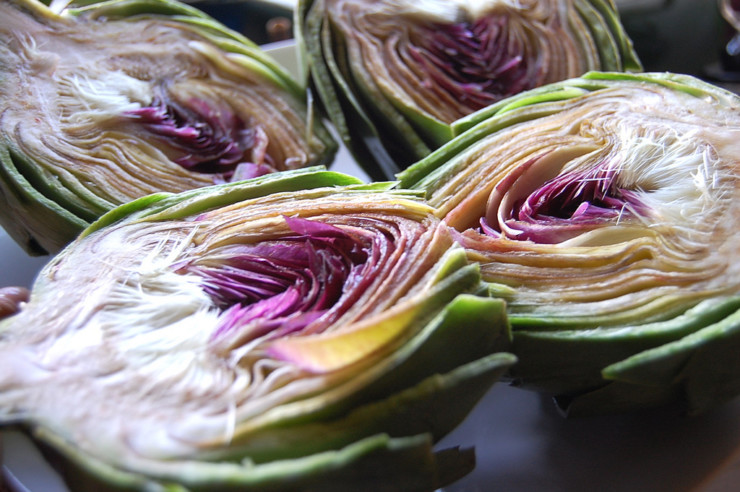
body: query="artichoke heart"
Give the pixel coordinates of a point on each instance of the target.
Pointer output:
(110, 101)
(395, 74)
(605, 210)
(259, 335)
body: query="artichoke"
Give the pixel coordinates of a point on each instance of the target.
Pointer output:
(297, 331)
(605, 211)
(105, 102)
(394, 74)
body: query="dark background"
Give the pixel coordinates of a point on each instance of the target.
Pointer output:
(684, 36)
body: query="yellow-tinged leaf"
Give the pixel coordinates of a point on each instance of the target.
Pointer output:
(329, 352)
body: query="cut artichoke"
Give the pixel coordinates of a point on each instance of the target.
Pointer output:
(394, 74)
(606, 211)
(298, 331)
(110, 101)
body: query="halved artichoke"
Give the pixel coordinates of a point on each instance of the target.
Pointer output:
(298, 331)
(606, 211)
(105, 102)
(394, 74)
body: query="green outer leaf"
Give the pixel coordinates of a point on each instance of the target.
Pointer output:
(453, 337)
(559, 91)
(615, 46)
(388, 375)
(255, 58)
(377, 148)
(589, 82)
(390, 125)
(227, 194)
(333, 81)
(630, 60)
(62, 186)
(538, 103)
(360, 112)
(448, 397)
(704, 362)
(112, 9)
(430, 129)
(599, 29)
(659, 309)
(431, 170)
(678, 82)
(360, 136)
(375, 463)
(449, 342)
(573, 361)
(19, 195)
(696, 372)
(37, 8)
(300, 33)
(310, 56)
(162, 206)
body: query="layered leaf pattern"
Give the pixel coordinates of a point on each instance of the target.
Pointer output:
(110, 101)
(603, 209)
(290, 326)
(395, 75)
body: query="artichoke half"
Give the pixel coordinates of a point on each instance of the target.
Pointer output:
(105, 102)
(298, 331)
(605, 210)
(394, 74)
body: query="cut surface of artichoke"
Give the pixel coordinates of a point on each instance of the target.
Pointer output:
(203, 338)
(111, 101)
(603, 209)
(404, 71)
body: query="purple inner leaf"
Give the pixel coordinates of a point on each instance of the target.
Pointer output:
(281, 286)
(478, 63)
(209, 137)
(568, 205)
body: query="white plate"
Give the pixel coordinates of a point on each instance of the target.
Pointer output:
(521, 443)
